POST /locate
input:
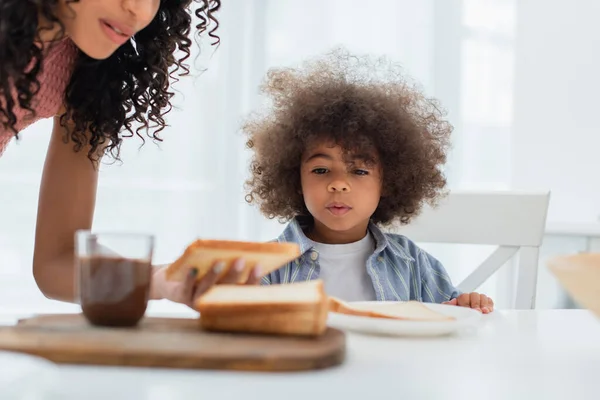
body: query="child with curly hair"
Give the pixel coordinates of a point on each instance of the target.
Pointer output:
(348, 148)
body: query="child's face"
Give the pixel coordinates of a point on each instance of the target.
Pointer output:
(340, 194)
(100, 27)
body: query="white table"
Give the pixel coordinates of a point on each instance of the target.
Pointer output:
(514, 355)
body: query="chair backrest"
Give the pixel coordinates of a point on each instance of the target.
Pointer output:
(513, 220)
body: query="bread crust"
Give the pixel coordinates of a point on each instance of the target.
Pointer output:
(308, 318)
(203, 254)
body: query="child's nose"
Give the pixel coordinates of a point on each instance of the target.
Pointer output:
(338, 186)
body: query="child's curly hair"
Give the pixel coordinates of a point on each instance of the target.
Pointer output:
(366, 107)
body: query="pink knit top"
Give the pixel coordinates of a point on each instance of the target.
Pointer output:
(53, 77)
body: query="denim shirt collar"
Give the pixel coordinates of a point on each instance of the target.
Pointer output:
(294, 233)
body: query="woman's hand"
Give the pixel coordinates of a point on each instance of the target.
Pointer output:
(190, 289)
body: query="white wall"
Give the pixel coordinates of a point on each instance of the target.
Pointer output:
(555, 137)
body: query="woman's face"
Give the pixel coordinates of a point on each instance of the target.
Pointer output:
(100, 27)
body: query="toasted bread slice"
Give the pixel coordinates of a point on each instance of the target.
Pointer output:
(203, 254)
(408, 311)
(290, 309)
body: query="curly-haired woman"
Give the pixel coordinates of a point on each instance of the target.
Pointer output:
(348, 147)
(99, 68)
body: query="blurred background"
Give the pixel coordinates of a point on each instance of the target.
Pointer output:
(517, 77)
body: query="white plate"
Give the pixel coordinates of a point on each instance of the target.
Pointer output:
(23, 376)
(464, 318)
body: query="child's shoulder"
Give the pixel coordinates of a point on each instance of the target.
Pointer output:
(403, 245)
(412, 252)
(293, 232)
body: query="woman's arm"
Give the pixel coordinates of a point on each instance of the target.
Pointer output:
(66, 203)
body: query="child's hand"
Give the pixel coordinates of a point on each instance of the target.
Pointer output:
(190, 289)
(479, 302)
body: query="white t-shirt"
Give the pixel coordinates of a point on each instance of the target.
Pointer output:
(344, 269)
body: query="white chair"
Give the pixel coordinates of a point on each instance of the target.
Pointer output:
(513, 220)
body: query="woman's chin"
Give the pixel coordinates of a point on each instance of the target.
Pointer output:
(96, 50)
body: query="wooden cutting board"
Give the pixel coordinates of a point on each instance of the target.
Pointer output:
(169, 343)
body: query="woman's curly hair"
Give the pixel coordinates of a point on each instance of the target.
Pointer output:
(368, 108)
(129, 88)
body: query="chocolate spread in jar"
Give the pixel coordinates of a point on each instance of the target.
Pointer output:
(114, 291)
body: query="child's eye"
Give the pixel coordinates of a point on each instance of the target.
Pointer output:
(319, 171)
(361, 172)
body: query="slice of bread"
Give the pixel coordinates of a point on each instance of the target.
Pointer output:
(203, 254)
(290, 309)
(408, 311)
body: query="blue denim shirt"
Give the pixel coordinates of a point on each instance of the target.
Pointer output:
(398, 268)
